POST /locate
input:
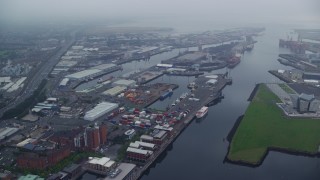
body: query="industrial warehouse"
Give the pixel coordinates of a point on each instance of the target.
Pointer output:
(109, 105)
(99, 110)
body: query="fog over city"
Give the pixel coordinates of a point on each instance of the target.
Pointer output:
(164, 12)
(160, 89)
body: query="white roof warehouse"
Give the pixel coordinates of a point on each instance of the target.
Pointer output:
(100, 110)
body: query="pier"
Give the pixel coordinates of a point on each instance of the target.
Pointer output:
(206, 93)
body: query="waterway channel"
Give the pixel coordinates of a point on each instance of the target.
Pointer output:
(199, 152)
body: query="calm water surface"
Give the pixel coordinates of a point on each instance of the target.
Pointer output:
(199, 152)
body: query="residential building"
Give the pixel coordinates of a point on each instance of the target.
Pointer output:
(138, 155)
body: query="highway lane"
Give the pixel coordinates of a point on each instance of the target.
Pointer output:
(41, 74)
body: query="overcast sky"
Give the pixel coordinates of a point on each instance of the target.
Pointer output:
(171, 11)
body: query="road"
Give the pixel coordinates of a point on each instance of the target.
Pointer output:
(41, 74)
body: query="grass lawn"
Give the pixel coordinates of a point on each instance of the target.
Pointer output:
(3, 53)
(286, 88)
(264, 125)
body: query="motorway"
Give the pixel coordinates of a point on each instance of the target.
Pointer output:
(42, 73)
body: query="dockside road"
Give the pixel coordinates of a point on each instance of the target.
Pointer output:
(206, 93)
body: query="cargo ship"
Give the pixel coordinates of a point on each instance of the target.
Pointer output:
(249, 47)
(202, 112)
(166, 94)
(233, 61)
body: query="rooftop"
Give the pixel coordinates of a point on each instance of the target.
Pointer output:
(163, 128)
(83, 74)
(146, 137)
(100, 109)
(139, 144)
(307, 97)
(30, 177)
(5, 132)
(124, 82)
(126, 169)
(104, 161)
(64, 82)
(214, 76)
(103, 66)
(114, 91)
(100, 161)
(165, 65)
(138, 151)
(191, 56)
(160, 134)
(26, 141)
(212, 81)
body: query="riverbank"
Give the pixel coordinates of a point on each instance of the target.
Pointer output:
(264, 128)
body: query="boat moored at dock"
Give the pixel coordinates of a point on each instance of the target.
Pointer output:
(202, 112)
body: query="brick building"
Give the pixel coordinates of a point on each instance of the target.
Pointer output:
(42, 159)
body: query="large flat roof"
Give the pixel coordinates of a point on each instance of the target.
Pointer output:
(146, 137)
(126, 169)
(65, 63)
(114, 91)
(137, 144)
(99, 110)
(26, 141)
(84, 73)
(5, 79)
(146, 49)
(138, 151)
(163, 128)
(100, 161)
(191, 56)
(7, 132)
(30, 177)
(160, 134)
(124, 82)
(17, 84)
(165, 65)
(103, 66)
(64, 82)
(213, 76)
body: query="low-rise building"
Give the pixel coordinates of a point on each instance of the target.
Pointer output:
(114, 91)
(6, 132)
(138, 155)
(30, 177)
(72, 170)
(35, 157)
(127, 172)
(103, 164)
(160, 137)
(143, 145)
(305, 103)
(100, 110)
(124, 83)
(146, 138)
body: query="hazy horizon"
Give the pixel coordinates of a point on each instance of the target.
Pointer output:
(164, 13)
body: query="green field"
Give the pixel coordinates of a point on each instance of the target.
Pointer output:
(286, 88)
(264, 126)
(7, 54)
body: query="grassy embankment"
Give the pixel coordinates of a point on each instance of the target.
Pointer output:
(286, 88)
(264, 126)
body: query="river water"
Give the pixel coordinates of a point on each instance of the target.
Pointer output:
(199, 152)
